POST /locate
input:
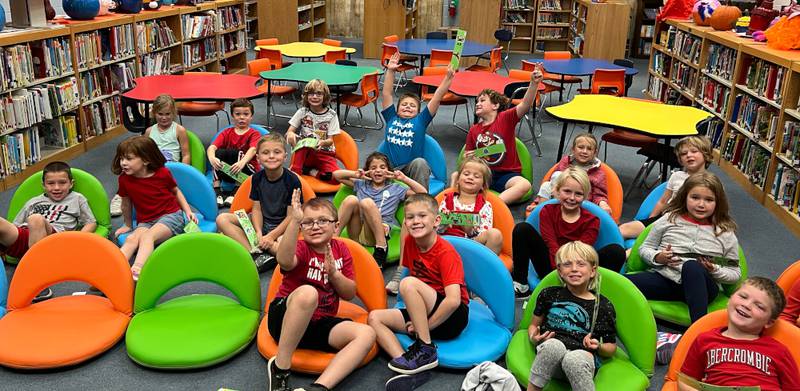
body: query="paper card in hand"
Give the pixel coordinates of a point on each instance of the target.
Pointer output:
(191, 227)
(461, 36)
(721, 261)
(247, 227)
(240, 177)
(490, 150)
(309, 142)
(461, 219)
(700, 386)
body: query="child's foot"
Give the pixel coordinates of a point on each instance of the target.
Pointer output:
(408, 382)
(278, 378)
(665, 346)
(325, 176)
(419, 357)
(313, 387)
(380, 255)
(228, 201)
(264, 261)
(135, 270)
(116, 206)
(43, 295)
(394, 285)
(521, 291)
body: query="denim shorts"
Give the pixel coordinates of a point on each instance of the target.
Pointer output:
(175, 221)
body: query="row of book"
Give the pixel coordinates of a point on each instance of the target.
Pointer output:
(550, 33)
(551, 18)
(751, 159)
(550, 5)
(756, 117)
(26, 107)
(656, 87)
(645, 46)
(661, 63)
(714, 95)
(154, 34)
(230, 17)
(107, 80)
(24, 148)
(715, 129)
(109, 44)
(155, 63)
(765, 79)
(790, 147)
(199, 25)
(683, 75)
(516, 17)
(646, 31)
(524, 4)
(197, 52)
(233, 41)
(21, 65)
(687, 46)
(721, 61)
(784, 187)
(101, 116)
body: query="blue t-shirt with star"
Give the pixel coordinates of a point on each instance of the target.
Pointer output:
(405, 137)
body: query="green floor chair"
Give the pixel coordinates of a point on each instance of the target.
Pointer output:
(676, 311)
(197, 151)
(631, 366)
(394, 234)
(524, 160)
(197, 330)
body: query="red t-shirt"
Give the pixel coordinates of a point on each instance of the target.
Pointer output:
(556, 232)
(501, 131)
(792, 309)
(716, 359)
(438, 267)
(310, 271)
(151, 196)
(228, 139)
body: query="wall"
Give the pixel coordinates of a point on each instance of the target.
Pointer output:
(346, 17)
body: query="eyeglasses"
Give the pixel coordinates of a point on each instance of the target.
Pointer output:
(322, 223)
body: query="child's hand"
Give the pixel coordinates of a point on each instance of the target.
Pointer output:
(367, 174)
(191, 216)
(360, 173)
(398, 175)
(291, 138)
(215, 162)
(329, 266)
(410, 328)
(535, 336)
(451, 72)
(122, 230)
(295, 210)
(666, 256)
(537, 75)
(707, 264)
(394, 62)
(534, 204)
(237, 167)
(590, 343)
(265, 242)
(469, 153)
(604, 206)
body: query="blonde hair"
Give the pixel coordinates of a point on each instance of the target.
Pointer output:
(588, 136)
(162, 102)
(484, 169)
(315, 85)
(578, 175)
(702, 143)
(577, 250)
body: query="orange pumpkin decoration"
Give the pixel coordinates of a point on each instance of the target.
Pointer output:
(724, 18)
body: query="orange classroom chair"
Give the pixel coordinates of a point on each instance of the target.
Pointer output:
(241, 200)
(387, 51)
(449, 98)
(783, 331)
(269, 42)
(502, 220)
(495, 60)
(66, 330)
(369, 289)
(789, 277)
(391, 39)
(254, 67)
(614, 189)
(332, 55)
(440, 58)
(370, 90)
(560, 79)
(346, 153)
(607, 81)
(202, 108)
(525, 76)
(332, 42)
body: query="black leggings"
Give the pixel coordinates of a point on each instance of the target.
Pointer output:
(528, 246)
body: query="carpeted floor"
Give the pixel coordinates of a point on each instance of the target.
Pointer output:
(769, 248)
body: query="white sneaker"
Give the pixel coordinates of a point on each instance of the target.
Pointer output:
(116, 206)
(394, 285)
(228, 201)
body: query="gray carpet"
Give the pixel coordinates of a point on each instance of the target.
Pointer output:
(769, 248)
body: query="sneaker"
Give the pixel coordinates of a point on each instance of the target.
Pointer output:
(665, 346)
(116, 206)
(264, 262)
(380, 255)
(419, 357)
(278, 378)
(220, 201)
(43, 295)
(394, 285)
(228, 201)
(521, 291)
(313, 387)
(408, 382)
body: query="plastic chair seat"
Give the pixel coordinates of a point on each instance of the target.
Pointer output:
(61, 331)
(628, 138)
(548, 88)
(616, 374)
(277, 90)
(677, 312)
(313, 361)
(435, 186)
(199, 109)
(212, 329)
(480, 68)
(483, 339)
(354, 100)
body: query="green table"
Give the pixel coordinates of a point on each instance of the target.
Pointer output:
(331, 74)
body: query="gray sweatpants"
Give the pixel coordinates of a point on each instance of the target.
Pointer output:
(418, 170)
(553, 360)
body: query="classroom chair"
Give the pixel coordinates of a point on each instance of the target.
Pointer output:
(503, 38)
(391, 40)
(560, 55)
(254, 67)
(647, 207)
(629, 368)
(449, 98)
(786, 333)
(608, 233)
(440, 58)
(241, 200)
(676, 311)
(200, 329)
(66, 330)
(331, 42)
(432, 153)
(614, 189)
(369, 94)
(516, 91)
(624, 62)
(436, 35)
(198, 152)
(625, 138)
(501, 219)
(524, 159)
(338, 91)
(495, 60)
(197, 108)
(394, 235)
(227, 186)
(199, 194)
(387, 51)
(332, 56)
(606, 81)
(785, 280)
(3, 289)
(269, 42)
(132, 117)
(369, 290)
(491, 319)
(346, 153)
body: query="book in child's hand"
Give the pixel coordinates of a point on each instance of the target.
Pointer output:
(721, 261)
(239, 177)
(247, 227)
(490, 150)
(461, 219)
(309, 142)
(700, 386)
(461, 36)
(191, 227)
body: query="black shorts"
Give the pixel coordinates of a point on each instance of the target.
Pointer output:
(452, 326)
(317, 332)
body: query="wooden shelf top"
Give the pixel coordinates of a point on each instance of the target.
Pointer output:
(784, 58)
(164, 11)
(228, 3)
(99, 22)
(796, 66)
(32, 34)
(727, 38)
(188, 9)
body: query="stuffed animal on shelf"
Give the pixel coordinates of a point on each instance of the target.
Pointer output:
(676, 9)
(702, 11)
(785, 33)
(151, 4)
(762, 16)
(106, 6)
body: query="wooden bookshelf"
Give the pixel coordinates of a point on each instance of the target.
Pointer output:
(752, 91)
(232, 36)
(159, 55)
(552, 25)
(644, 27)
(292, 20)
(251, 21)
(592, 35)
(383, 18)
(521, 20)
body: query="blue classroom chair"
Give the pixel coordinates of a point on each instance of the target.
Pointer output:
(647, 207)
(3, 289)
(228, 186)
(607, 234)
(432, 152)
(198, 193)
(488, 332)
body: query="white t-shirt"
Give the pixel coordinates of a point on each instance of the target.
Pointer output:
(318, 125)
(675, 182)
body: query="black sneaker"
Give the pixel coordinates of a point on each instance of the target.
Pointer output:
(264, 262)
(419, 357)
(521, 291)
(278, 378)
(380, 256)
(43, 295)
(408, 382)
(326, 176)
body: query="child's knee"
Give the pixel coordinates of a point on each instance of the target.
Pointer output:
(368, 204)
(551, 347)
(305, 296)
(522, 184)
(36, 221)
(691, 267)
(365, 334)
(225, 219)
(577, 362)
(408, 284)
(349, 201)
(494, 234)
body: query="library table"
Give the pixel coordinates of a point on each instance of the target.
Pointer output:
(423, 47)
(579, 67)
(331, 74)
(306, 50)
(651, 118)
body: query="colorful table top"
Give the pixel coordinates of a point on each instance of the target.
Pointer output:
(580, 66)
(471, 83)
(306, 49)
(422, 47)
(194, 86)
(651, 118)
(331, 74)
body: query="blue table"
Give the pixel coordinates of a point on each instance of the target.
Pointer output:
(422, 48)
(579, 67)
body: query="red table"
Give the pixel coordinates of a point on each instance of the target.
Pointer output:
(471, 83)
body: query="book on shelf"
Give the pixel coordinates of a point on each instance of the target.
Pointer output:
(645, 46)
(550, 33)
(101, 116)
(784, 187)
(749, 157)
(515, 17)
(714, 131)
(107, 80)
(662, 63)
(154, 34)
(714, 95)
(201, 51)
(687, 46)
(721, 61)
(51, 57)
(790, 145)
(157, 63)
(26, 107)
(99, 46)
(551, 18)
(646, 31)
(683, 75)
(520, 4)
(230, 17)
(199, 25)
(16, 63)
(756, 117)
(656, 88)
(233, 41)
(651, 13)
(765, 79)
(550, 5)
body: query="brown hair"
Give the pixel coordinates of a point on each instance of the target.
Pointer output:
(316, 85)
(409, 95)
(423, 198)
(379, 156)
(54, 167)
(273, 137)
(243, 102)
(321, 203)
(772, 290)
(720, 219)
(496, 98)
(162, 102)
(484, 169)
(702, 143)
(140, 146)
